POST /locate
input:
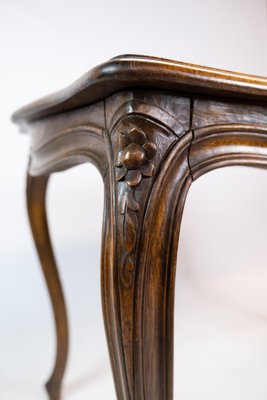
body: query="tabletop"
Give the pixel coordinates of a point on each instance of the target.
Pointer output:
(127, 71)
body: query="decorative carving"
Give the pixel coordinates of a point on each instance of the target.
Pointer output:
(142, 216)
(134, 157)
(128, 208)
(134, 160)
(140, 144)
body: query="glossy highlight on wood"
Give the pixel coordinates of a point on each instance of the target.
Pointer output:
(151, 127)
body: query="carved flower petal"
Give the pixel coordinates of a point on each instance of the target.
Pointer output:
(124, 140)
(133, 177)
(120, 173)
(118, 162)
(131, 202)
(137, 136)
(150, 150)
(148, 170)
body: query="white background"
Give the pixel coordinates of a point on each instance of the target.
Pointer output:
(221, 303)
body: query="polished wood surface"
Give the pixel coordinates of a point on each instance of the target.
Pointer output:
(151, 127)
(36, 191)
(128, 71)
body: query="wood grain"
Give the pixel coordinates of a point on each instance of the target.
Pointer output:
(128, 71)
(151, 127)
(36, 193)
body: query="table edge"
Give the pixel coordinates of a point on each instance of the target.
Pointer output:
(128, 71)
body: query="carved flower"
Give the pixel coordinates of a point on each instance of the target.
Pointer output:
(134, 157)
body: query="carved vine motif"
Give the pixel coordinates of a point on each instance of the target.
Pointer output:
(134, 160)
(129, 208)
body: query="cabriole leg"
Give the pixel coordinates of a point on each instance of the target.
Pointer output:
(145, 193)
(36, 192)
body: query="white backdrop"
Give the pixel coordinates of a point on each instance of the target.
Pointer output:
(221, 303)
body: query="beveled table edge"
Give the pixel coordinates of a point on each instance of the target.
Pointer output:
(128, 71)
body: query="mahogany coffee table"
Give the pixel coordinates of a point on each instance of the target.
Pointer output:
(151, 127)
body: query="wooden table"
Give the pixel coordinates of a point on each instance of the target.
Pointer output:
(151, 127)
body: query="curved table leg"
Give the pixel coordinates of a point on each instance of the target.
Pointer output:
(140, 237)
(36, 190)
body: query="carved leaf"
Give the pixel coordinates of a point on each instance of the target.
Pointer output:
(122, 203)
(127, 268)
(132, 203)
(130, 229)
(130, 264)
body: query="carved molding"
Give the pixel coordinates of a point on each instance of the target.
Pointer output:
(224, 145)
(68, 148)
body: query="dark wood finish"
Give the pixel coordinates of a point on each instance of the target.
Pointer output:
(129, 71)
(151, 127)
(36, 190)
(143, 189)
